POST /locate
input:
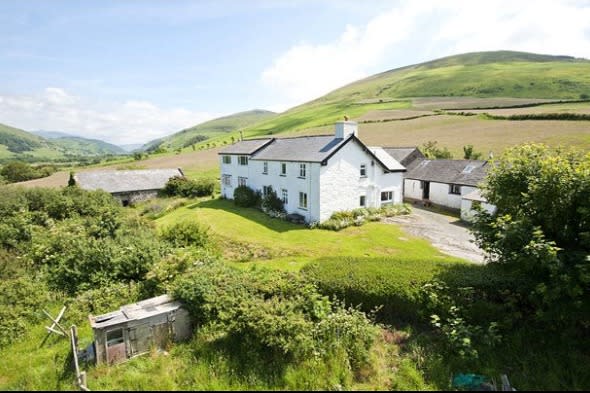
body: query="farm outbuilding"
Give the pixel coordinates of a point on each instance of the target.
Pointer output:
(136, 328)
(128, 186)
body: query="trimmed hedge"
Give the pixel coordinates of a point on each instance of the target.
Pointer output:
(390, 283)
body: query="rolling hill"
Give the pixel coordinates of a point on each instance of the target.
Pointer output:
(19, 144)
(209, 129)
(519, 75)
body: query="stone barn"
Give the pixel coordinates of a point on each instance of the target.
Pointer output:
(136, 328)
(128, 186)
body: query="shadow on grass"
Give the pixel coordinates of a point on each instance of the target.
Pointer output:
(251, 214)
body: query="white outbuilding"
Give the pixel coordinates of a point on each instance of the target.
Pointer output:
(315, 176)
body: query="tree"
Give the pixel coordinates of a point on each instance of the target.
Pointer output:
(17, 171)
(541, 229)
(432, 151)
(469, 154)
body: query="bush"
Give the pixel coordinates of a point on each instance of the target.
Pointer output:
(186, 234)
(181, 186)
(393, 285)
(271, 203)
(244, 196)
(278, 316)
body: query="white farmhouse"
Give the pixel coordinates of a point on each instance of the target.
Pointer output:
(443, 182)
(315, 176)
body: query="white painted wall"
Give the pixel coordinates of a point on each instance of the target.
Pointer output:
(341, 184)
(334, 187)
(412, 189)
(467, 213)
(439, 193)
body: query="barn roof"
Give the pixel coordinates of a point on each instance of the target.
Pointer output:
(136, 311)
(126, 181)
(462, 172)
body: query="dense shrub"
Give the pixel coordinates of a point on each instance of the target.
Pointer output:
(186, 234)
(277, 315)
(244, 196)
(391, 284)
(101, 299)
(271, 203)
(20, 303)
(181, 186)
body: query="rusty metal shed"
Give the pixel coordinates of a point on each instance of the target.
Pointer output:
(136, 328)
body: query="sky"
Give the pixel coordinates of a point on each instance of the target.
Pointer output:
(130, 71)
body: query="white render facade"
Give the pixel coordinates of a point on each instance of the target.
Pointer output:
(343, 174)
(442, 194)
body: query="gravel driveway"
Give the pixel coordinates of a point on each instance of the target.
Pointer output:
(446, 233)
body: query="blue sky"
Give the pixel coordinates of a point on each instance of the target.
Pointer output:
(130, 71)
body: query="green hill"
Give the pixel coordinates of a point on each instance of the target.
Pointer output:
(86, 147)
(19, 144)
(209, 129)
(528, 77)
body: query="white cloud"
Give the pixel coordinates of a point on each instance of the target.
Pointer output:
(121, 123)
(428, 28)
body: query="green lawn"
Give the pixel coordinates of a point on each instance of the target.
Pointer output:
(249, 236)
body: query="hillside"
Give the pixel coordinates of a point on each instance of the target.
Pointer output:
(212, 128)
(19, 144)
(86, 147)
(15, 142)
(484, 75)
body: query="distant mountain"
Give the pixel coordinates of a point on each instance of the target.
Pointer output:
(19, 144)
(131, 147)
(52, 134)
(86, 147)
(209, 129)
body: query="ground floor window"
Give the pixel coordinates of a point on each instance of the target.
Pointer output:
(266, 190)
(386, 196)
(226, 180)
(242, 181)
(363, 201)
(454, 189)
(302, 200)
(285, 196)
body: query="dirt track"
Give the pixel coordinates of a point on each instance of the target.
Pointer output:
(446, 233)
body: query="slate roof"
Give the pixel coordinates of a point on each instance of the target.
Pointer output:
(386, 159)
(474, 195)
(304, 148)
(136, 311)
(407, 156)
(450, 171)
(126, 181)
(249, 146)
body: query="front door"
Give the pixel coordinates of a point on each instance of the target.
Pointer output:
(425, 190)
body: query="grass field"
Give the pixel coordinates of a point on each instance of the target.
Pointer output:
(250, 237)
(571, 107)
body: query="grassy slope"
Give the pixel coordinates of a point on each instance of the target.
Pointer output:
(250, 234)
(86, 147)
(33, 144)
(222, 125)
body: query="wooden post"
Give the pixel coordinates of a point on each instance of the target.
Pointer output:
(80, 376)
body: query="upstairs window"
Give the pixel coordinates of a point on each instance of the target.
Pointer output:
(364, 170)
(302, 170)
(283, 169)
(265, 168)
(226, 159)
(243, 160)
(455, 189)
